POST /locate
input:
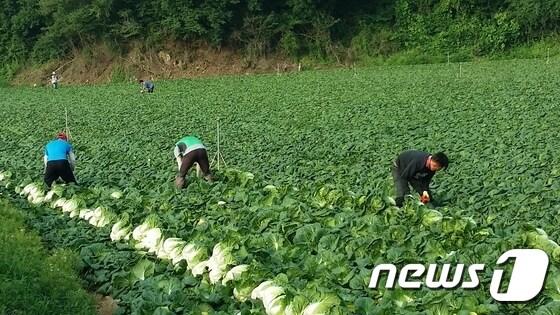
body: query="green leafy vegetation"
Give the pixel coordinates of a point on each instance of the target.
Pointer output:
(302, 213)
(32, 280)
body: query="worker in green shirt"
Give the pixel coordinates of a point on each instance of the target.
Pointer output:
(187, 151)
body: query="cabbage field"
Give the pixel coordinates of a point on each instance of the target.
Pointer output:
(302, 213)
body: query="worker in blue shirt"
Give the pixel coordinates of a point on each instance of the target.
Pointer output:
(59, 160)
(147, 85)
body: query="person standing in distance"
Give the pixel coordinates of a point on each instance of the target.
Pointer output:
(54, 80)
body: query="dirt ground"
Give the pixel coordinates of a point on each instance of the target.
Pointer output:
(99, 65)
(105, 304)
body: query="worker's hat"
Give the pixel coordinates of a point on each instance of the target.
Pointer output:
(62, 135)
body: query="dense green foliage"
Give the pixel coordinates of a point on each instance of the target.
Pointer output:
(50, 29)
(33, 281)
(315, 217)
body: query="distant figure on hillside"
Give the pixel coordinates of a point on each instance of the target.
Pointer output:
(146, 86)
(59, 160)
(54, 80)
(187, 151)
(417, 169)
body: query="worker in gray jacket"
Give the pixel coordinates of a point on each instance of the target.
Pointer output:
(416, 168)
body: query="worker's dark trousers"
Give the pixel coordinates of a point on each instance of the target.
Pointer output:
(199, 156)
(59, 169)
(402, 188)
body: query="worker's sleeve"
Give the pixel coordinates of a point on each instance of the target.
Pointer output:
(72, 159)
(71, 155)
(45, 156)
(182, 147)
(425, 183)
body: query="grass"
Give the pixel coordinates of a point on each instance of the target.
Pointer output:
(32, 280)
